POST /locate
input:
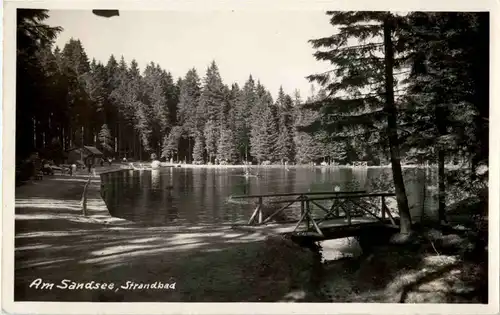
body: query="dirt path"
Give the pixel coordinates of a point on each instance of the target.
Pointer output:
(53, 242)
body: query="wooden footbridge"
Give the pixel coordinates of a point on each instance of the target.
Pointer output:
(349, 213)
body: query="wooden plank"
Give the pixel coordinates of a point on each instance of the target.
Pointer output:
(336, 233)
(254, 214)
(84, 197)
(327, 217)
(315, 225)
(328, 227)
(260, 210)
(383, 207)
(300, 220)
(302, 193)
(347, 214)
(341, 197)
(389, 214)
(308, 213)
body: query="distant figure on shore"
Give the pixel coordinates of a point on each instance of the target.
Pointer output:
(337, 188)
(47, 168)
(124, 160)
(72, 169)
(155, 164)
(110, 161)
(101, 162)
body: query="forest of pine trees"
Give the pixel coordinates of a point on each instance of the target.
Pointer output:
(76, 100)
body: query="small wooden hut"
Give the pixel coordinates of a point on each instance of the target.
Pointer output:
(83, 155)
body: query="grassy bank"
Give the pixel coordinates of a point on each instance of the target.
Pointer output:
(434, 268)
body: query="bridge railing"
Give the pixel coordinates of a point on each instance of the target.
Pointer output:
(340, 201)
(257, 214)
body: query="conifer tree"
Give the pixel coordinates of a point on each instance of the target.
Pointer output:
(226, 147)
(76, 68)
(264, 132)
(170, 147)
(285, 146)
(447, 107)
(198, 149)
(360, 88)
(244, 105)
(105, 139)
(188, 102)
(212, 101)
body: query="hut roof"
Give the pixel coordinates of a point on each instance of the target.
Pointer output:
(93, 150)
(89, 150)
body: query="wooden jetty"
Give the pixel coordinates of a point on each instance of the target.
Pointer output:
(350, 213)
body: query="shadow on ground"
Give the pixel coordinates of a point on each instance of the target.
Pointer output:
(208, 263)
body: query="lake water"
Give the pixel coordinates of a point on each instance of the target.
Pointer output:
(194, 196)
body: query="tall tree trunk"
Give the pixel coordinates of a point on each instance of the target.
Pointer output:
(61, 138)
(390, 108)
(424, 192)
(441, 187)
(140, 150)
(440, 117)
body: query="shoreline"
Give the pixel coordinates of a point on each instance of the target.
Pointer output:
(241, 166)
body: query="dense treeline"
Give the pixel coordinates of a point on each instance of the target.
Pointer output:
(126, 113)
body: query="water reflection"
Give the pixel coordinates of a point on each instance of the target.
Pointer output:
(155, 179)
(196, 196)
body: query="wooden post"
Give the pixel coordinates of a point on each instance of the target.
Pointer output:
(84, 197)
(337, 209)
(84, 206)
(348, 215)
(383, 208)
(308, 211)
(300, 221)
(254, 214)
(389, 215)
(301, 205)
(316, 226)
(260, 210)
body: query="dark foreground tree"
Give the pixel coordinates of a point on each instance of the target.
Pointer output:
(448, 106)
(361, 102)
(33, 36)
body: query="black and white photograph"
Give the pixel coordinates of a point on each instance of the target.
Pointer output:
(277, 156)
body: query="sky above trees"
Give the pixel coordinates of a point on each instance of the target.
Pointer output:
(268, 44)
